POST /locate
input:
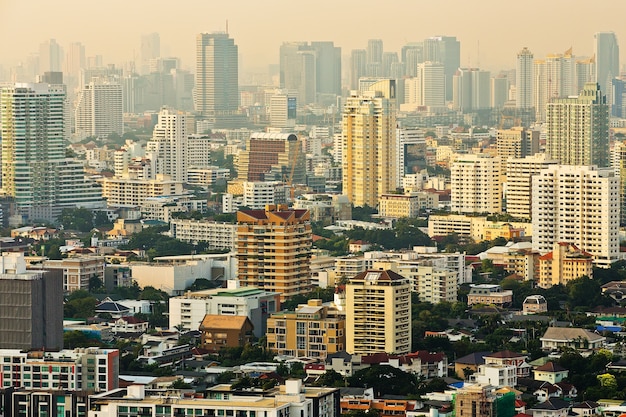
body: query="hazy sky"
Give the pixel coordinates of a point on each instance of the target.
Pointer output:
(496, 28)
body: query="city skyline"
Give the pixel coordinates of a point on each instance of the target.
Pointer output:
(485, 30)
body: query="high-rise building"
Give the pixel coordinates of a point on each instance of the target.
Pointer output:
(554, 78)
(31, 306)
(282, 110)
(476, 184)
(445, 50)
(272, 156)
(412, 54)
(298, 70)
(471, 90)
(519, 173)
(150, 49)
(428, 87)
(499, 92)
(619, 165)
(50, 57)
(577, 128)
(378, 313)
(607, 58)
(327, 68)
(368, 132)
(35, 172)
(274, 250)
(517, 142)
(374, 57)
(99, 110)
(358, 67)
(578, 205)
(217, 75)
(524, 79)
(168, 147)
(585, 69)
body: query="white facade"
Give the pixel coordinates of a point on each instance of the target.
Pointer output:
(199, 149)
(496, 375)
(518, 186)
(577, 205)
(476, 184)
(433, 283)
(218, 235)
(168, 147)
(99, 109)
(258, 194)
(428, 87)
(404, 138)
(132, 193)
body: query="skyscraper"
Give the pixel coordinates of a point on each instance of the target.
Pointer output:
(471, 89)
(150, 49)
(369, 160)
(378, 313)
(358, 67)
(374, 57)
(607, 59)
(524, 79)
(554, 77)
(50, 56)
(327, 68)
(99, 110)
(217, 75)
(35, 172)
(298, 70)
(577, 128)
(476, 184)
(428, 87)
(168, 147)
(447, 51)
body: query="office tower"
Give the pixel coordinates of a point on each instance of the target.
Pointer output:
(476, 184)
(274, 250)
(217, 75)
(607, 58)
(577, 128)
(150, 49)
(31, 306)
(88, 75)
(585, 70)
(358, 67)
(406, 138)
(524, 79)
(298, 70)
(50, 56)
(516, 142)
(499, 92)
(35, 172)
(168, 147)
(374, 57)
(369, 124)
(272, 157)
(618, 91)
(75, 61)
(428, 87)
(554, 78)
(519, 173)
(99, 109)
(327, 68)
(412, 54)
(578, 205)
(282, 110)
(378, 313)
(471, 90)
(447, 51)
(389, 58)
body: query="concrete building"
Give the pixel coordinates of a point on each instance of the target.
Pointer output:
(445, 50)
(217, 235)
(216, 91)
(434, 283)
(325, 208)
(312, 330)
(88, 369)
(606, 53)
(517, 142)
(168, 149)
(31, 306)
(274, 249)
(76, 271)
(427, 88)
(406, 205)
(35, 172)
(174, 274)
(489, 294)
(188, 310)
(554, 77)
(518, 185)
(475, 227)
(476, 184)
(524, 79)
(99, 109)
(272, 157)
(564, 264)
(577, 128)
(218, 332)
(282, 111)
(471, 90)
(378, 313)
(407, 140)
(258, 194)
(368, 135)
(128, 192)
(578, 205)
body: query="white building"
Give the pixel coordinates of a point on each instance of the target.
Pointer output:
(524, 82)
(404, 138)
(496, 375)
(476, 184)
(168, 147)
(217, 235)
(428, 88)
(518, 186)
(577, 205)
(188, 310)
(99, 109)
(133, 192)
(258, 194)
(174, 274)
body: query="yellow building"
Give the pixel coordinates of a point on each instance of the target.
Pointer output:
(133, 192)
(312, 330)
(274, 249)
(564, 264)
(369, 161)
(378, 313)
(406, 205)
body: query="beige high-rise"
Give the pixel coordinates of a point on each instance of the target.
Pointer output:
(369, 159)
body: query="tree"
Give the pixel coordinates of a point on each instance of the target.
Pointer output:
(330, 378)
(80, 219)
(385, 379)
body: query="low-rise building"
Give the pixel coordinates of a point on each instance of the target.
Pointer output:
(219, 332)
(535, 304)
(132, 192)
(476, 227)
(565, 263)
(217, 235)
(556, 338)
(77, 271)
(489, 294)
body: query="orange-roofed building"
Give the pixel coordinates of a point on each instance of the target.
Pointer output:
(220, 331)
(565, 263)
